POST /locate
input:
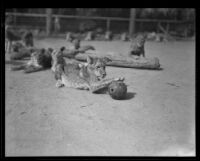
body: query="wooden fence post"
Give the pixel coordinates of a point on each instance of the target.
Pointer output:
(108, 25)
(48, 21)
(15, 17)
(132, 21)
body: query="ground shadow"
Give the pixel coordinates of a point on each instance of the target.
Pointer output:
(13, 62)
(137, 68)
(161, 68)
(158, 69)
(36, 70)
(130, 95)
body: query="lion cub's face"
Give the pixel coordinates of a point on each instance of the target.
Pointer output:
(97, 66)
(57, 58)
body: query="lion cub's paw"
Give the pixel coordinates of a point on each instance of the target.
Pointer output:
(119, 79)
(59, 84)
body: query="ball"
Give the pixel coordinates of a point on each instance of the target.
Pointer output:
(117, 90)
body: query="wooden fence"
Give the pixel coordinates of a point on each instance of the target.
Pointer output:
(47, 20)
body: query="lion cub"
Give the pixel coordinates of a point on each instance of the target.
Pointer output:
(88, 76)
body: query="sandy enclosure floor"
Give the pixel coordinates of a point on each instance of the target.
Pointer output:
(158, 118)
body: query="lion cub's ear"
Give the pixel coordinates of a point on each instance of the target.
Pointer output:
(62, 48)
(89, 60)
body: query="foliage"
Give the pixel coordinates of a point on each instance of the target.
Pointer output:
(167, 13)
(85, 24)
(187, 14)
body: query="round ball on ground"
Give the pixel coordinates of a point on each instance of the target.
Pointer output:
(117, 90)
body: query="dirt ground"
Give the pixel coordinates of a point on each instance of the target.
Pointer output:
(157, 118)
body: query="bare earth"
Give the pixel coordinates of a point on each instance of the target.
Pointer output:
(157, 118)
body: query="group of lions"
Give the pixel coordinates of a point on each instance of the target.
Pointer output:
(89, 76)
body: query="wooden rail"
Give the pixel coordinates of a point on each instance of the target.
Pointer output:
(107, 19)
(92, 17)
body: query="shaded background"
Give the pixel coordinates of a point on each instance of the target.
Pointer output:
(180, 21)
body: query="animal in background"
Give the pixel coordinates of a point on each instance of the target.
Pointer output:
(11, 36)
(137, 45)
(40, 59)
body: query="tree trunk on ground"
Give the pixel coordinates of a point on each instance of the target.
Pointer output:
(127, 62)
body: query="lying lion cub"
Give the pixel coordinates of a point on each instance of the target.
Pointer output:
(88, 76)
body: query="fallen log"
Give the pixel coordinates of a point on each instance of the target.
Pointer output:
(118, 61)
(150, 63)
(127, 62)
(72, 53)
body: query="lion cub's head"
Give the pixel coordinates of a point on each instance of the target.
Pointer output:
(57, 58)
(97, 66)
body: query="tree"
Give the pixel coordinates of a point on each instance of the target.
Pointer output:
(85, 24)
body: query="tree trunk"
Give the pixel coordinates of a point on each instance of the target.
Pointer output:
(127, 62)
(132, 21)
(48, 21)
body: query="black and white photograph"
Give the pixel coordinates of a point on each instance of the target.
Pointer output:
(100, 82)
